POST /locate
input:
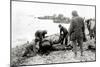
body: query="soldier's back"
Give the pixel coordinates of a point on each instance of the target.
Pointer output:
(77, 23)
(77, 27)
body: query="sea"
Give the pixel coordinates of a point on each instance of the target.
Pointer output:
(24, 28)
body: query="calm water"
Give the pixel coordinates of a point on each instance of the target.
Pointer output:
(24, 29)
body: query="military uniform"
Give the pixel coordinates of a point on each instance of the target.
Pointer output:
(76, 31)
(76, 28)
(63, 35)
(39, 35)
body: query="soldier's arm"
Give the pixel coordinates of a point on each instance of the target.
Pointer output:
(44, 35)
(71, 27)
(60, 31)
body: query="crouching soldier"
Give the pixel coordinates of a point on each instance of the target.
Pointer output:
(63, 35)
(76, 31)
(39, 35)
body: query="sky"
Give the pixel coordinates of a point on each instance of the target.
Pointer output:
(42, 9)
(25, 23)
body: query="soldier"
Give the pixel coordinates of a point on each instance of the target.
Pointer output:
(39, 35)
(63, 35)
(76, 31)
(91, 27)
(88, 24)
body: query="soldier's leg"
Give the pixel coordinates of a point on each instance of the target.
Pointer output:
(80, 42)
(62, 39)
(66, 40)
(74, 43)
(84, 37)
(91, 34)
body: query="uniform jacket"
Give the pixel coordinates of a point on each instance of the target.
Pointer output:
(64, 30)
(77, 28)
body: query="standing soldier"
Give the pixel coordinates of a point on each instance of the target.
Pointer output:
(63, 35)
(76, 31)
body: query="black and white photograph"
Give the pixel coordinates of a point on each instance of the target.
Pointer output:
(44, 33)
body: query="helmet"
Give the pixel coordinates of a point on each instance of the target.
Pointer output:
(74, 13)
(45, 31)
(60, 25)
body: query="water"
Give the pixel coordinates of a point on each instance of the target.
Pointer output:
(25, 23)
(24, 29)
